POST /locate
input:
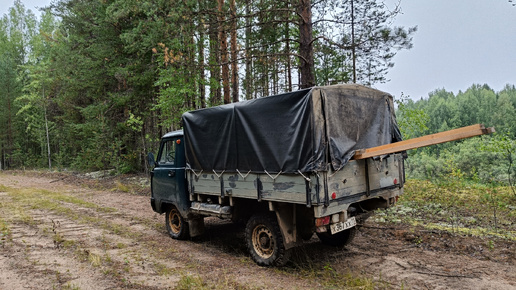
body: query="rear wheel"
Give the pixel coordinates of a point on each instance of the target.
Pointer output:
(177, 227)
(265, 242)
(339, 239)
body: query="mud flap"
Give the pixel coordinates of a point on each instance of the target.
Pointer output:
(286, 215)
(196, 227)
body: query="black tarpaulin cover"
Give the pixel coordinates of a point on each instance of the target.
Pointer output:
(304, 131)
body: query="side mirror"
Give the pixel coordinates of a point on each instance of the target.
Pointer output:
(151, 160)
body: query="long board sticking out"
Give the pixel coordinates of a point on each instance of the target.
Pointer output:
(438, 138)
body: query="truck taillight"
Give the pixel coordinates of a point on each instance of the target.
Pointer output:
(322, 221)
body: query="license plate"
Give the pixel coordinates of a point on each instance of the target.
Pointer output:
(339, 227)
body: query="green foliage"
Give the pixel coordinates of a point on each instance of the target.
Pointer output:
(17, 29)
(174, 84)
(362, 39)
(502, 144)
(411, 120)
(93, 84)
(484, 159)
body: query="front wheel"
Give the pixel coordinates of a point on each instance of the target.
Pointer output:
(265, 242)
(339, 239)
(177, 227)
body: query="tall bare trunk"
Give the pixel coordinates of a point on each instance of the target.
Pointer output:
(306, 66)
(288, 64)
(224, 52)
(46, 130)
(234, 55)
(353, 48)
(200, 59)
(10, 141)
(248, 84)
(213, 30)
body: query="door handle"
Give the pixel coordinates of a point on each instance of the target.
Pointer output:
(171, 173)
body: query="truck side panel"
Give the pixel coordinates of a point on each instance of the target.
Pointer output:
(284, 188)
(329, 192)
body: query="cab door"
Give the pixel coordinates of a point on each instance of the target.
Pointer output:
(168, 176)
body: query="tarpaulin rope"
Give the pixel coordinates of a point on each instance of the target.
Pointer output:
(218, 175)
(273, 178)
(306, 178)
(196, 175)
(243, 176)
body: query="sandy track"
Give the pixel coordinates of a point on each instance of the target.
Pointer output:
(122, 243)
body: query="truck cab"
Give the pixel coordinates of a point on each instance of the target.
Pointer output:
(168, 182)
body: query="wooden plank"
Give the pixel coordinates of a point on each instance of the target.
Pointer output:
(438, 138)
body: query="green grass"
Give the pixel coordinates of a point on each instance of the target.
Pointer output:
(4, 232)
(191, 282)
(329, 277)
(332, 279)
(56, 202)
(48, 200)
(454, 206)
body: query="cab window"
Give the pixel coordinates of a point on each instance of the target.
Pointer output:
(168, 152)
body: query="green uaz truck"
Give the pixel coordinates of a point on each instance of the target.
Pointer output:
(283, 164)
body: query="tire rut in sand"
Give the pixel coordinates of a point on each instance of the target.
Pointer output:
(87, 250)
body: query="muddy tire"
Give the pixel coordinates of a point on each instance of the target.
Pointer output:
(340, 239)
(177, 227)
(265, 242)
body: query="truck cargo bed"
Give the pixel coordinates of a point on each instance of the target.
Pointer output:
(328, 192)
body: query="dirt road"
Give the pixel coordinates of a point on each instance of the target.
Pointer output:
(58, 233)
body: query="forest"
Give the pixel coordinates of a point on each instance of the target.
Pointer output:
(488, 159)
(92, 85)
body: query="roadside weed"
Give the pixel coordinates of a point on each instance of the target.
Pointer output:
(472, 209)
(191, 282)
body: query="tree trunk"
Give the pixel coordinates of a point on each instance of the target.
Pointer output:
(202, 75)
(213, 30)
(234, 55)
(248, 83)
(201, 58)
(353, 48)
(288, 64)
(224, 53)
(46, 130)
(306, 66)
(10, 142)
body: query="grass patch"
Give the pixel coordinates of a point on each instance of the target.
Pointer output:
(44, 199)
(4, 232)
(457, 207)
(121, 187)
(162, 269)
(121, 246)
(191, 282)
(94, 260)
(70, 287)
(331, 278)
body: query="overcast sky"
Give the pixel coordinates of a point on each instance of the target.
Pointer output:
(458, 43)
